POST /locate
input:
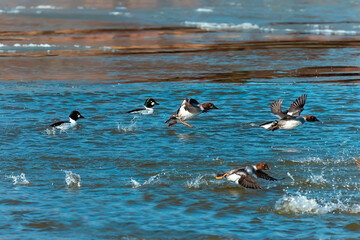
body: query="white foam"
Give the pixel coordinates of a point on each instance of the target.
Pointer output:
(326, 30)
(196, 182)
(42, 45)
(227, 26)
(72, 179)
(19, 179)
(2, 45)
(332, 32)
(46, 7)
(120, 14)
(204, 10)
(301, 204)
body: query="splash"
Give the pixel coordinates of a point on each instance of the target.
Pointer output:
(152, 180)
(301, 204)
(50, 131)
(197, 182)
(316, 179)
(135, 183)
(290, 176)
(72, 180)
(129, 128)
(19, 179)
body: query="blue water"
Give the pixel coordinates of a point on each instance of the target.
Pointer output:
(125, 176)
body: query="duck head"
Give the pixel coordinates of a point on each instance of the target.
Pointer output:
(311, 118)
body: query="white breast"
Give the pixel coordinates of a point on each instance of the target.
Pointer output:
(147, 111)
(290, 124)
(233, 177)
(185, 115)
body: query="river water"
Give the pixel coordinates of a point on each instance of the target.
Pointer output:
(123, 176)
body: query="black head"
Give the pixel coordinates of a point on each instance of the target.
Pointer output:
(150, 102)
(75, 115)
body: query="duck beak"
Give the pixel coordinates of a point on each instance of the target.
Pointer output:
(215, 107)
(81, 116)
(221, 176)
(156, 103)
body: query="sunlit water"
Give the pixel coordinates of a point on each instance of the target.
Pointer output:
(125, 176)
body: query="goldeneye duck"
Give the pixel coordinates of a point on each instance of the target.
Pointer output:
(64, 125)
(291, 118)
(149, 104)
(187, 110)
(245, 176)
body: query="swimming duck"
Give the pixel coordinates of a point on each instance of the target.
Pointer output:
(187, 110)
(291, 118)
(64, 125)
(149, 104)
(245, 176)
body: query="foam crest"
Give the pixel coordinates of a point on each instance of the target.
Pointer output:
(33, 45)
(72, 180)
(327, 30)
(208, 10)
(197, 182)
(227, 26)
(19, 179)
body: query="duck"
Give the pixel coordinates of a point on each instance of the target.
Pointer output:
(148, 107)
(357, 160)
(64, 125)
(188, 109)
(245, 176)
(290, 118)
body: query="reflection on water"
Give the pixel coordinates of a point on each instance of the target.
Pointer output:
(103, 57)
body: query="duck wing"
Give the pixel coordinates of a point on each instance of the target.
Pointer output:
(135, 110)
(297, 106)
(263, 175)
(58, 123)
(276, 108)
(247, 181)
(192, 106)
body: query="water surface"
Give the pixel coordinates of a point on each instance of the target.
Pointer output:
(125, 176)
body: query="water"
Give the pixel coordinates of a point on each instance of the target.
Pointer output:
(130, 177)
